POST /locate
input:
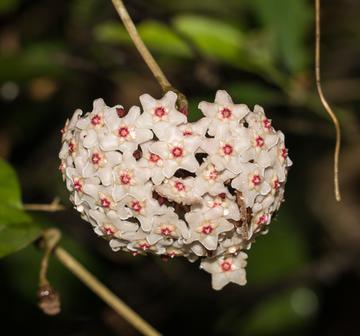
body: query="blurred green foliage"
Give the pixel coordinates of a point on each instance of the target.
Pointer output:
(17, 229)
(287, 22)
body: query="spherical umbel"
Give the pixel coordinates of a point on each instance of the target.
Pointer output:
(148, 181)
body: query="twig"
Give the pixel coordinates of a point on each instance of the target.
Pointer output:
(140, 46)
(54, 206)
(49, 241)
(49, 300)
(325, 103)
(146, 55)
(104, 293)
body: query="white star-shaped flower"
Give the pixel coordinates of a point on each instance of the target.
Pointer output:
(101, 164)
(110, 224)
(167, 227)
(92, 124)
(210, 180)
(122, 133)
(224, 204)
(251, 182)
(226, 269)
(128, 177)
(223, 113)
(225, 152)
(142, 206)
(179, 190)
(153, 162)
(205, 227)
(76, 183)
(176, 152)
(160, 112)
(68, 130)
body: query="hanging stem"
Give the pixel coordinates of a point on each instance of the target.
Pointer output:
(54, 206)
(49, 300)
(104, 293)
(50, 303)
(146, 55)
(325, 103)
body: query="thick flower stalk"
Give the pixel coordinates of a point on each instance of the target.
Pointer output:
(150, 182)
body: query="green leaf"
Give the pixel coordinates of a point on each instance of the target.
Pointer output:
(288, 21)
(157, 36)
(8, 6)
(16, 236)
(229, 44)
(61, 278)
(10, 189)
(17, 229)
(111, 32)
(213, 37)
(252, 93)
(10, 215)
(160, 38)
(37, 59)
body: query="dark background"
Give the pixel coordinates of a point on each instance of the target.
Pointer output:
(303, 277)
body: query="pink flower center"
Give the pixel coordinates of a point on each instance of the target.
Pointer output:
(71, 147)
(267, 123)
(144, 246)
(171, 254)
(207, 229)
(226, 266)
(136, 206)
(262, 219)
(177, 152)
(77, 185)
(179, 186)
(215, 204)
(276, 184)
(96, 158)
(96, 120)
(160, 111)
(256, 180)
(154, 158)
(166, 231)
(123, 132)
(284, 153)
(227, 149)
(213, 175)
(109, 230)
(259, 141)
(105, 202)
(120, 112)
(187, 133)
(125, 178)
(226, 113)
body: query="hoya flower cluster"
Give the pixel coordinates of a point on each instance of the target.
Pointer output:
(150, 182)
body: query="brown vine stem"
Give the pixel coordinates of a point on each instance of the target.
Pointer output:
(54, 206)
(104, 293)
(325, 103)
(146, 55)
(50, 303)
